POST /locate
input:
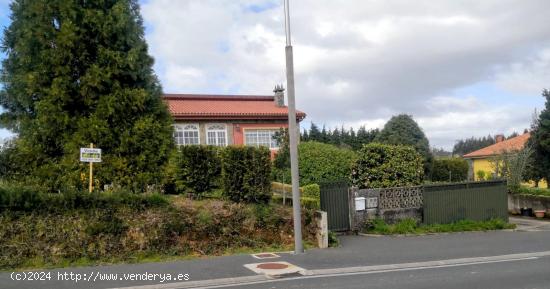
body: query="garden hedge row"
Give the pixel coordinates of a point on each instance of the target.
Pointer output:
(242, 172)
(384, 166)
(450, 170)
(246, 174)
(320, 162)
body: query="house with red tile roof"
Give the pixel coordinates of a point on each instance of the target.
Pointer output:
(483, 159)
(223, 120)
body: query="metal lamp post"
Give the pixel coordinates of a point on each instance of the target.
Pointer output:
(298, 246)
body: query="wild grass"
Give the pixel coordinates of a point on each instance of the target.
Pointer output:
(410, 226)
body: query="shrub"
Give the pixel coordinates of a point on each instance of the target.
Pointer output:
(480, 175)
(305, 202)
(119, 234)
(532, 191)
(198, 169)
(383, 166)
(246, 174)
(311, 191)
(319, 163)
(450, 170)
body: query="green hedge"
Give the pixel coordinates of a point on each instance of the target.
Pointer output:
(246, 174)
(384, 166)
(305, 202)
(455, 168)
(319, 163)
(198, 169)
(27, 199)
(311, 191)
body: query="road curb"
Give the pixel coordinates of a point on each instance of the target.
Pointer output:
(202, 283)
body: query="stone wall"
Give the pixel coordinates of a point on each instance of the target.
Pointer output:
(389, 204)
(517, 202)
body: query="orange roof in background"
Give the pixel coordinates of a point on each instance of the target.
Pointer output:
(202, 106)
(514, 144)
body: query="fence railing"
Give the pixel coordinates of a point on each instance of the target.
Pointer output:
(477, 201)
(430, 204)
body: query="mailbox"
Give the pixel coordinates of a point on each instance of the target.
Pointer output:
(360, 203)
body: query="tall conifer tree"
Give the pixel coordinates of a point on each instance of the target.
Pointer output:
(78, 72)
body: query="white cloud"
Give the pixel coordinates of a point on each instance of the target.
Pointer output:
(362, 61)
(528, 76)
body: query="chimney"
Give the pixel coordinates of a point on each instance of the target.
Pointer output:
(499, 138)
(279, 95)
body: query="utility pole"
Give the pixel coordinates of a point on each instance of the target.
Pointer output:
(298, 246)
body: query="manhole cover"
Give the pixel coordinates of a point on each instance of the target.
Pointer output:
(274, 269)
(272, 266)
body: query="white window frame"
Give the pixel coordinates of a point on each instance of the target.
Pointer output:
(217, 129)
(183, 128)
(257, 136)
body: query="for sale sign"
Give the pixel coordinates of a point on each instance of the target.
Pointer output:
(90, 155)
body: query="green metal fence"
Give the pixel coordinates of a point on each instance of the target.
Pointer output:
(477, 201)
(334, 201)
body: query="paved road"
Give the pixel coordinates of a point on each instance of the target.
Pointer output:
(524, 274)
(355, 251)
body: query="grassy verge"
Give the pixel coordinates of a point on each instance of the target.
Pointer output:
(409, 226)
(77, 229)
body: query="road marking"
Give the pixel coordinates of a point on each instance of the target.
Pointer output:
(347, 271)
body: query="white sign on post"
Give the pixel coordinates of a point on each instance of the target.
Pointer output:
(90, 155)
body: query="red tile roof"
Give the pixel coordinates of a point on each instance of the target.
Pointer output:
(513, 144)
(202, 106)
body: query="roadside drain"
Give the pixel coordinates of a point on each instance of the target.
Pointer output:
(276, 269)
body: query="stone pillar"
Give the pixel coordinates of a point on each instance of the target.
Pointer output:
(322, 229)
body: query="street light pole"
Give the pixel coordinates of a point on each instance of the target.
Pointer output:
(293, 134)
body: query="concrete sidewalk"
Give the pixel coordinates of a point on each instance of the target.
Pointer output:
(354, 251)
(529, 224)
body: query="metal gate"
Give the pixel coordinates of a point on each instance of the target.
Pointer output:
(334, 201)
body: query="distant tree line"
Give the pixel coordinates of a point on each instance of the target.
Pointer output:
(340, 136)
(471, 144)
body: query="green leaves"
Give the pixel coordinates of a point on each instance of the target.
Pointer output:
(79, 73)
(450, 170)
(319, 163)
(385, 166)
(403, 130)
(246, 174)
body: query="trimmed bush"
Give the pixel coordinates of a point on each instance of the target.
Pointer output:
(320, 163)
(450, 170)
(305, 202)
(311, 191)
(246, 174)
(384, 166)
(198, 169)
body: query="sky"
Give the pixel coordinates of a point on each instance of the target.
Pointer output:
(460, 68)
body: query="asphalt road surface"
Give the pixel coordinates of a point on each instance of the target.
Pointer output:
(517, 274)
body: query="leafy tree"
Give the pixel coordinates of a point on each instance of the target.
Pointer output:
(385, 166)
(75, 73)
(539, 165)
(403, 130)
